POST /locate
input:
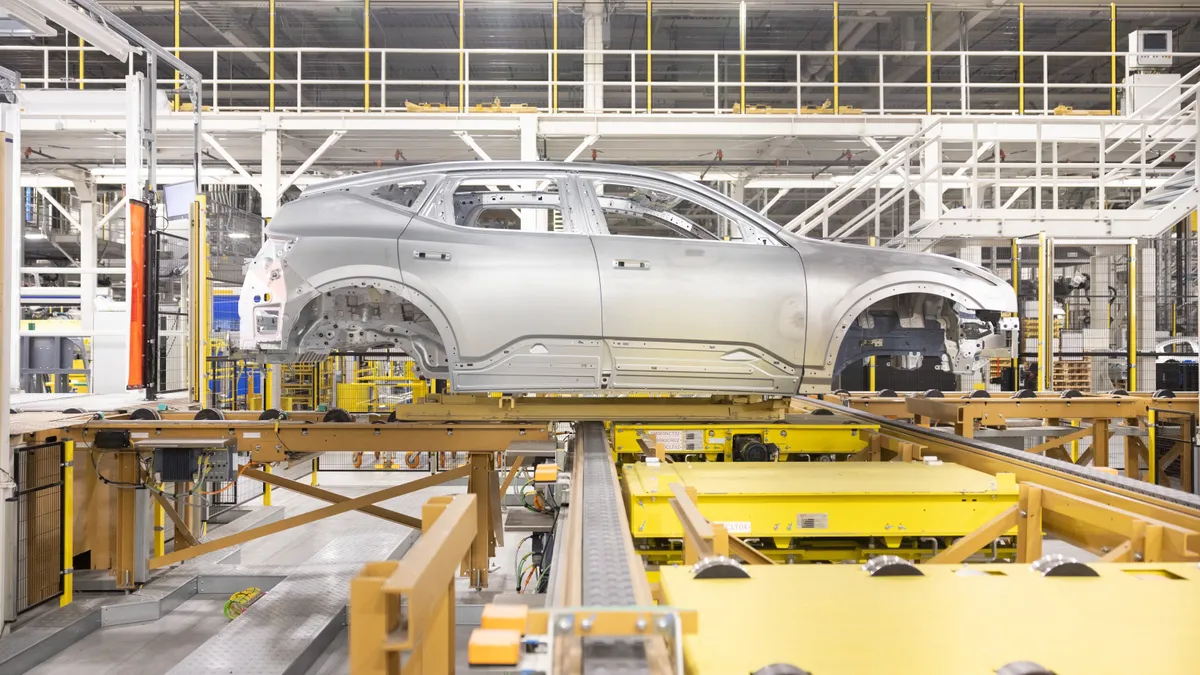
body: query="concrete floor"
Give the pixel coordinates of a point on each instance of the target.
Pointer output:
(155, 647)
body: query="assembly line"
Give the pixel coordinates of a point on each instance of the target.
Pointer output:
(577, 337)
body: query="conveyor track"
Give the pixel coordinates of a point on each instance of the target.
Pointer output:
(1182, 502)
(606, 577)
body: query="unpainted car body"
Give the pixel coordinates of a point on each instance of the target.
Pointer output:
(542, 276)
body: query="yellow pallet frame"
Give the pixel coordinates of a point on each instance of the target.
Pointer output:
(839, 436)
(841, 501)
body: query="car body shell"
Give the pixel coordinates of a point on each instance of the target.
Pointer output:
(574, 308)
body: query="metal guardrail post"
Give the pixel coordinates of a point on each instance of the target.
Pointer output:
(68, 524)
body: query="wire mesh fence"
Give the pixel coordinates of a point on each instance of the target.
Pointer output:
(235, 384)
(38, 473)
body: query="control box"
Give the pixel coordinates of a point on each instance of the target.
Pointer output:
(1148, 49)
(189, 460)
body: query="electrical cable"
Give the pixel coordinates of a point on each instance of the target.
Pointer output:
(105, 480)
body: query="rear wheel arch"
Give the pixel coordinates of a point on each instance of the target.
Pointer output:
(419, 302)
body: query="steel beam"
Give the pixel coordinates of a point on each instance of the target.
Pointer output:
(330, 497)
(309, 517)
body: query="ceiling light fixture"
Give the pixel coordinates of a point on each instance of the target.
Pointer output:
(78, 23)
(35, 236)
(20, 21)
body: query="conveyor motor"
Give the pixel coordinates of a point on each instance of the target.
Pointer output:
(750, 448)
(189, 460)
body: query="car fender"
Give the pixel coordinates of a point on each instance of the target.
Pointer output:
(971, 293)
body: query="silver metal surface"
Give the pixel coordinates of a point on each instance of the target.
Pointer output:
(605, 574)
(57, 629)
(473, 275)
(284, 632)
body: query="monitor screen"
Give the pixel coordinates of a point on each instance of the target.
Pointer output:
(177, 200)
(1154, 41)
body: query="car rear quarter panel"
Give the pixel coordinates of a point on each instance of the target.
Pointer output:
(844, 280)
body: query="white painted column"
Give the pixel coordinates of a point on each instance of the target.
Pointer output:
(86, 191)
(270, 170)
(593, 64)
(10, 243)
(270, 179)
(930, 189)
(10, 123)
(536, 220)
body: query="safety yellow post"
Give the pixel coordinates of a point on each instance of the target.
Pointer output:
(554, 102)
(1132, 314)
(81, 63)
(267, 487)
(367, 55)
(462, 77)
(929, 58)
(649, 57)
(1016, 284)
(160, 529)
(315, 468)
(1112, 36)
(1045, 315)
(742, 42)
(271, 67)
(1021, 63)
(836, 61)
(1151, 442)
(68, 524)
(871, 241)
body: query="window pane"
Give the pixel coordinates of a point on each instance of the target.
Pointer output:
(401, 194)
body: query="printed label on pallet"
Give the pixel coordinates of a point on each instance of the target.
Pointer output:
(812, 521)
(672, 441)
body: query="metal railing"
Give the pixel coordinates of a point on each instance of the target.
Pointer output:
(1127, 165)
(691, 81)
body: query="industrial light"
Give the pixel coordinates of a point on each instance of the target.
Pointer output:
(35, 236)
(239, 235)
(78, 23)
(20, 21)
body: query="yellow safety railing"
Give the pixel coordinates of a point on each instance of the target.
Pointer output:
(699, 71)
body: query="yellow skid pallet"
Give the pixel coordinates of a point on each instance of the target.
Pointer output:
(800, 434)
(1068, 110)
(825, 108)
(841, 500)
(496, 107)
(429, 107)
(818, 618)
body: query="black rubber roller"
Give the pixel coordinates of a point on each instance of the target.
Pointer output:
(337, 415)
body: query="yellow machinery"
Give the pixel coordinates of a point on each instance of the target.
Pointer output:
(973, 619)
(798, 438)
(820, 510)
